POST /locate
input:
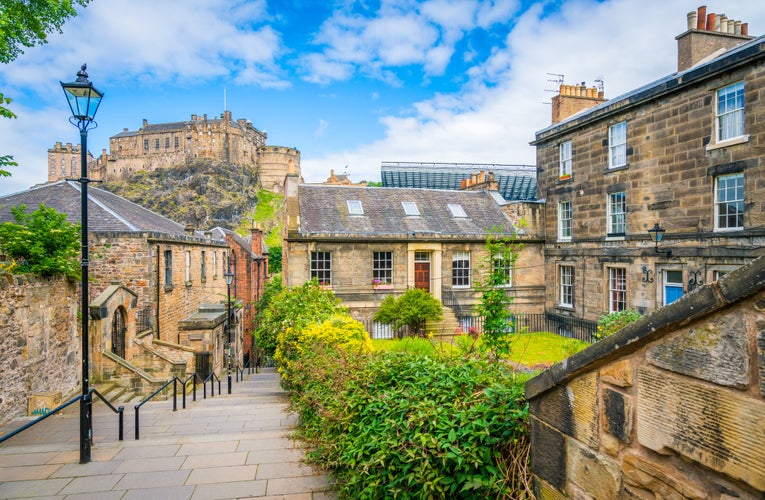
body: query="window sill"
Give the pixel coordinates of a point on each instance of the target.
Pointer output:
(383, 287)
(729, 142)
(728, 229)
(564, 240)
(188, 284)
(461, 287)
(565, 178)
(615, 237)
(617, 168)
(564, 307)
(169, 288)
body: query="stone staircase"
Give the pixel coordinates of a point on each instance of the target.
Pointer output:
(116, 394)
(445, 329)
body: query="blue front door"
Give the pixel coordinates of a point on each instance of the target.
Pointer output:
(673, 286)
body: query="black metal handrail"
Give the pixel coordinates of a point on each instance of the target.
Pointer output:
(148, 398)
(41, 418)
(119, 411)
(212, 377)
(240, 371)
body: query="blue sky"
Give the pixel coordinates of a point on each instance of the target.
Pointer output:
(349, 84)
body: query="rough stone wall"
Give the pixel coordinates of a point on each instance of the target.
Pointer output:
(39, 340)
(672, 162)
(682, 415)
(138, 261)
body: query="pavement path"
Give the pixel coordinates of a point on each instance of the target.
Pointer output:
(226, 446)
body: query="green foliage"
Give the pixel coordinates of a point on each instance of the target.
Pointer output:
(268, 215)
(42, 242)
(412, 310)
(340, 330)
(293, 308)
(26, 23)
(404, 425)
(610, 323)
(415, 345)
(275, 259)
(501, 254)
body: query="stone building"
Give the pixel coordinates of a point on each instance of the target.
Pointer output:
(162, 145)
(368, 243)
(672, 406)
(64, 162)
(148, 277)
(683, 154)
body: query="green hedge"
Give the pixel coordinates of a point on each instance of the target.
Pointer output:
(404, 425)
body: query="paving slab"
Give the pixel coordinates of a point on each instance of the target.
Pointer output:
(226, 446)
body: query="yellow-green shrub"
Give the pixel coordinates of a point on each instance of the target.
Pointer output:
(340, 330)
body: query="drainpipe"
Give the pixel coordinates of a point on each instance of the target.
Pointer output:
(156, 312)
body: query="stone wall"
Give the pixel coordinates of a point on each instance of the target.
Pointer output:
(39, 340)
(672, 406)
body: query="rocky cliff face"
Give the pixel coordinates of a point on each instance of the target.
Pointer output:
(204, 193)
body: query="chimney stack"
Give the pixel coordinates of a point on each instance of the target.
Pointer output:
(573, 99)
(710, 34)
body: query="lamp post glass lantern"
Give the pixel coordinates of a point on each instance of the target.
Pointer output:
(656, 233)
(84, 99)
(229, 279)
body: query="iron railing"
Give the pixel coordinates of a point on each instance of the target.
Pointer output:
(564, 326)
(119, 411)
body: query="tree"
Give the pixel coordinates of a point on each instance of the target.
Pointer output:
(42, 242)
(294, 308)
(501, 254)
(26, 23)
(412, 310)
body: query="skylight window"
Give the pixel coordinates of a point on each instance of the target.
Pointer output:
(410, 208)
(355, 207)
(456, 210)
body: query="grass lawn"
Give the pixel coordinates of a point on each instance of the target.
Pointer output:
(543, 349)
(534, 350)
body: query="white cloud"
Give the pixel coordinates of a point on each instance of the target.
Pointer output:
(323, 124)
(494, 123)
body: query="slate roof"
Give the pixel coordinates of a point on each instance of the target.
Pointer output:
(516, 182)
(106, 211)
(324, 212)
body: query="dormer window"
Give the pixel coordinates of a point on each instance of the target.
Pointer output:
(456, 210)
(355, 207)
(410, 208)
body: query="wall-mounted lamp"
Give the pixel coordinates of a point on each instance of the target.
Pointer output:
(696, 279)
(647, 278)
(657, 234)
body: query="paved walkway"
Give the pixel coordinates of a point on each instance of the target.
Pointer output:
(227, 446)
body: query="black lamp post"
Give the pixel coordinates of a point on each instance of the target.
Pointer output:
(657, 234)
(83, 100)
(229, 278)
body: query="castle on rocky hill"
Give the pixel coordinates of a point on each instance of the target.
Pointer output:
(162, 145)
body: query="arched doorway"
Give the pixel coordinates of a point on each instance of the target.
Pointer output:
(118, 332)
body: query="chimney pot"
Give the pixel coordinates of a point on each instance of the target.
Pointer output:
(692, 19)
(745, 29)
(711, 21)
(737, 27)
(701, 23)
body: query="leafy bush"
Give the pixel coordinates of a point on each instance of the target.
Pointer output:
(340, 330)
(412, 310)
(418, 345)
(293, 308)
(42, 242)
(403, 425)
(610, 323)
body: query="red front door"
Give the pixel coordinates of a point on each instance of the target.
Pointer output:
(422, 275)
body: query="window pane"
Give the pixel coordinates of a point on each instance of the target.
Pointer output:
(617, 214)
(461, 269)
(729, 201)
(321, 267)
(730, 111)
(617, 289)
(566, 280)
(617, 145)
(382, 268)
(565, 216)
(565, 158)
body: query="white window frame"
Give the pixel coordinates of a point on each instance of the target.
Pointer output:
(565, 220)
(566, 159)
(320, 267)
(729, 112)
(617, 289)
(566, 285)
(616, 217)
(505, 267)
(187, 267)
(382, 268)
(456, 210)
(617, 145)
(729, 202)
(461, 269)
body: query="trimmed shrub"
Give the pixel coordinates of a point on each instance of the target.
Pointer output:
(610, 323)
